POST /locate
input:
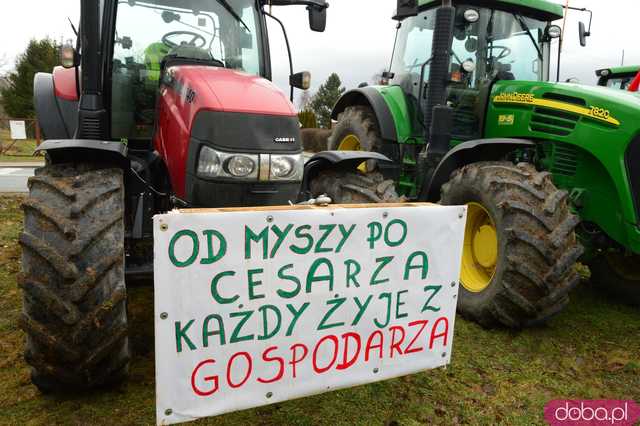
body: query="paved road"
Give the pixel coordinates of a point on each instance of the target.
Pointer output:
(14, 179)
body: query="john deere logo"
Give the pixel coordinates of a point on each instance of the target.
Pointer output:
(284, 140)
(506, 120)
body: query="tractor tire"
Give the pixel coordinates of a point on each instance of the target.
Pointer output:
(359, 123)
(520, 245)
(618, 275)
(351, 187)
(74, 294)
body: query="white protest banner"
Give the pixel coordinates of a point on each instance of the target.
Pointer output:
(18, 130)
(254, 307)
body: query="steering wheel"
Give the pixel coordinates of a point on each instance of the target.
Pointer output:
(504, 52)
(196, 38)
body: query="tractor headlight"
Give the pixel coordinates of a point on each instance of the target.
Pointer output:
(287, 167)
(209, 162)
(240, 166)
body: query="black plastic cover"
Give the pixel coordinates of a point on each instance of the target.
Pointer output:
(249, 133)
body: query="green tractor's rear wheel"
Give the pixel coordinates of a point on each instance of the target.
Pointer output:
(520, 248)
(74, 295)
(357, 130)
(619, 275)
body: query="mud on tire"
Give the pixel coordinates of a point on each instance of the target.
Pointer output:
(359, 121)
(74, 295)
(351, 187)
(537, 246)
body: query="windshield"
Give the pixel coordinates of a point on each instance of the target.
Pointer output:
(222, 33)
(501, 45)
(620, 83)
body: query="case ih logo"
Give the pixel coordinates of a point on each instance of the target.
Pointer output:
(284, 140)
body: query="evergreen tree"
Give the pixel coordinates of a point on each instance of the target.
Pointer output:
(323, 102)
(17, 97)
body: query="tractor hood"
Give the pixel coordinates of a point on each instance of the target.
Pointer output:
(221, 89)
(598, 105)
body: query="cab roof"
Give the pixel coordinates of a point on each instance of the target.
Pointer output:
(631, 69)
(540, 9)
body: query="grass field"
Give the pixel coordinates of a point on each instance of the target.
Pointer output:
(591, 351)
(22, 150)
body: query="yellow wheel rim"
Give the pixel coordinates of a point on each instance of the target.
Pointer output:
(352, 143)
(626, 267)
(480, 252)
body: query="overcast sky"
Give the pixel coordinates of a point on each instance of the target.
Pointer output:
(358, 40)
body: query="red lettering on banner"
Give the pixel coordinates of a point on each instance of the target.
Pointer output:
(444, 333)
(230, 365)
(348, 363)
(294, 361)
(317, 369)
(395, 346)
(410, 349)
(376, 346)
(213, 379)
(279, 360)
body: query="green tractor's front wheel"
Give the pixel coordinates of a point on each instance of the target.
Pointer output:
(619, 275)
(357, 130)
(520, 248)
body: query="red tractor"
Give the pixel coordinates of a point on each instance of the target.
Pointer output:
(162, 104)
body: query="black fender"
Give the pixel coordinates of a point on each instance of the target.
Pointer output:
(369, 96)
(85, 151)
(58, 118)
(467, 153)
(345, 160)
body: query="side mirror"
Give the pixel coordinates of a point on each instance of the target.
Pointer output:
(301, 80)
(318, 16)
(68, 57)
(583, 34)
(405, 9)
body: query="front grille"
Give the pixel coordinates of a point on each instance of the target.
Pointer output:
(565, 159)
(553, 122)
(91, 128)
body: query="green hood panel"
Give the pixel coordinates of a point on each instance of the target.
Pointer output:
(542, 8)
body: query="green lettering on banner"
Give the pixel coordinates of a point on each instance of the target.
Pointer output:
(253, 284)
(282, 235)
(328, 229)
(206, 333)
(382, 262)
(375, 233)
(181, 334)
(388, 319)
(214, 289)
(399, 303)
(390, 243)
(351, 276)
(283, 276)
(313, 270)
(361, 309)
(335, 304)
(194, 251)
(296, 315)
(250, 236)
(345, 233)
(213, 258)
(423, 266)
(300, 235)
(244, 317)
(266, 334)
(434, 289)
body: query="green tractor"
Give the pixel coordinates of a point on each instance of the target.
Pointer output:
(618, 77)
(550, 172)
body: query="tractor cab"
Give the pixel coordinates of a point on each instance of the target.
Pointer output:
(202, 33)
(497, 43)
(618, 78)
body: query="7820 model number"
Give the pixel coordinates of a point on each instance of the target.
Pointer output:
(600, 112)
